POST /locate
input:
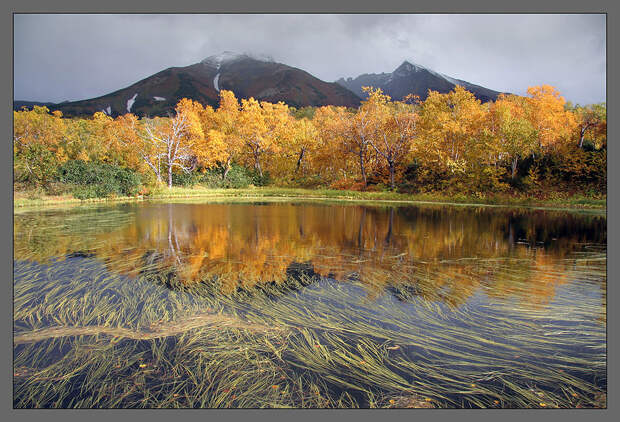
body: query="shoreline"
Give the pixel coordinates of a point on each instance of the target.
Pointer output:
(288, 194)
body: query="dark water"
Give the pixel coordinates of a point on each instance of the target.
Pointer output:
(511, 300)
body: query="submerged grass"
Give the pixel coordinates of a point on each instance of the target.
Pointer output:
(467, 332)
(311, 343)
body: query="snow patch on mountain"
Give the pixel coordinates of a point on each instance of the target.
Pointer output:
(451, 80)
(156, 98)
(107, 110)
(216, 82)
(130, 102)
(409, 67)
(446, 77)
(228, 56)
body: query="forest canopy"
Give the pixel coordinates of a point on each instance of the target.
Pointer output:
(533, 144)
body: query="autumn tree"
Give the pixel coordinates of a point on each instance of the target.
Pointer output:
(172, 141)
(513, 131)
(261, 127)
(365, 126)
(397, 129)
(224, 141)
(450, 133)
(552, 122)
(37, 143)
(87, 139)
(582, 160)
(591, 119)
(330, 159)
(128, 145)
(297, 150)
(305, 140)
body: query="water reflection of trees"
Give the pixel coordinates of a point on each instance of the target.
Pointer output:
(439, 253)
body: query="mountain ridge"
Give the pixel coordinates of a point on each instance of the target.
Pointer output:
(261, 77)
(412, 78)
(246, 75)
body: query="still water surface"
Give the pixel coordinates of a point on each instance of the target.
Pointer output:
(309, 305)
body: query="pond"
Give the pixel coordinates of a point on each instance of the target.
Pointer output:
(280, 304)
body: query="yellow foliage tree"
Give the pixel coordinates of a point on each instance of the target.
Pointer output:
(365, 127)
(262, 126)
(38, 126)
(38, 143)
(125, 146)
(397, 129)
(224, 142)
(553, 123)
(331, 161)
(450, 131)
(514, 134)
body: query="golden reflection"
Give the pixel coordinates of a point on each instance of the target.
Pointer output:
(439, 253)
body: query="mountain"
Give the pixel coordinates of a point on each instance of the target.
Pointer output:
(244, 74)
(410, 78)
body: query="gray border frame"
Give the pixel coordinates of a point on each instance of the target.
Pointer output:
(317, 6)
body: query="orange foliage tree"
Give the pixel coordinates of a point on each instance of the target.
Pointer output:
(262, 127)
(224, 141)
(330, 160)
(552, 122)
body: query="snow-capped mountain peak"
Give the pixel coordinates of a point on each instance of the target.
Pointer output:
(224, 57)
(408, 67)
(229, 56)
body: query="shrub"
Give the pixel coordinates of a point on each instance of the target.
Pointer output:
(87, 192)
(258, 180)
(308, 182)
(211, 179)
(185, 179)
(97, 180)
(238, 177)
(128, 180)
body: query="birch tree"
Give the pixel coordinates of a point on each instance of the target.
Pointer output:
(171, 142)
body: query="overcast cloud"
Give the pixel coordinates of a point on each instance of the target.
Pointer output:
(74, 57)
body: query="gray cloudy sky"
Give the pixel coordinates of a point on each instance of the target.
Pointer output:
(73, 57)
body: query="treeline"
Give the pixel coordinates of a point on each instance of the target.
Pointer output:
(450, 142)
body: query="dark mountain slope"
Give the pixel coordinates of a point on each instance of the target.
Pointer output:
(245, 75)
(410, 78)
